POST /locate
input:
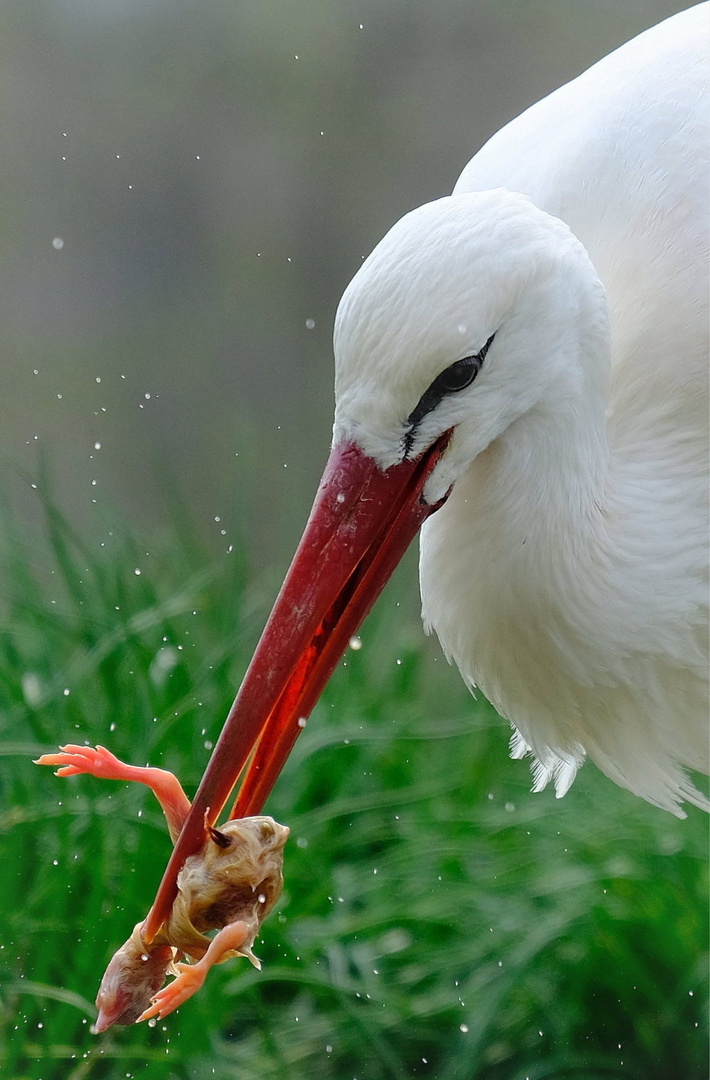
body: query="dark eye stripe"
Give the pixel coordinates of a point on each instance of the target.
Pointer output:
(453, 379)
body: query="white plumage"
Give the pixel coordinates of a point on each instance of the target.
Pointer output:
(567, 573)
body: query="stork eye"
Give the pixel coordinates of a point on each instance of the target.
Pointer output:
(452, 379)
(458, 376)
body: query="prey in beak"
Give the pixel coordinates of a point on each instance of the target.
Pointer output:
(362, 521)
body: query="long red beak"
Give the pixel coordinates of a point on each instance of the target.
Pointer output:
(361, 523)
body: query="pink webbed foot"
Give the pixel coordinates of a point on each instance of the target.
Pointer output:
(95, 761)
(100, 762)
(190, 977)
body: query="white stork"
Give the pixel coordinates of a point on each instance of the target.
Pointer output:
(522, 366)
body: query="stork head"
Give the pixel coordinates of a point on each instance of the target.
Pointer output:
(460, 321)
(464, 317)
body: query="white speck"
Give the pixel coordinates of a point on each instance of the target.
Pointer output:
(340, 498)
(97, 446)
(137, 572)
(130, 187)
(94, 483)
(208, 745)
(152, 1022)
(355, 643)
(399, 662)
(462, 329)
(261, 898)
(302, 721)
(31, 689)
(301, 842)
(295, 56)
(59, 397)
(310, 324)
(55, 862)
(147, 397)
(197, 157)
(57, 243)
(464, 1028)
(66, 691)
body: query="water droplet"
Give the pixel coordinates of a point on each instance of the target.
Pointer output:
(310, 324)
(464, 1028)
(57, 243)
(355, 643)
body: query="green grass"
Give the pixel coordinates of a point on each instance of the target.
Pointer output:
(438, 920)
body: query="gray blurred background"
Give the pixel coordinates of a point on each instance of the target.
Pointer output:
(188, 185)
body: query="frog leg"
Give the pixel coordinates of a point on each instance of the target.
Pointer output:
(190, 977)
(100, 762)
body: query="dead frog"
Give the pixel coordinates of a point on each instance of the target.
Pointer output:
(230, 885)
